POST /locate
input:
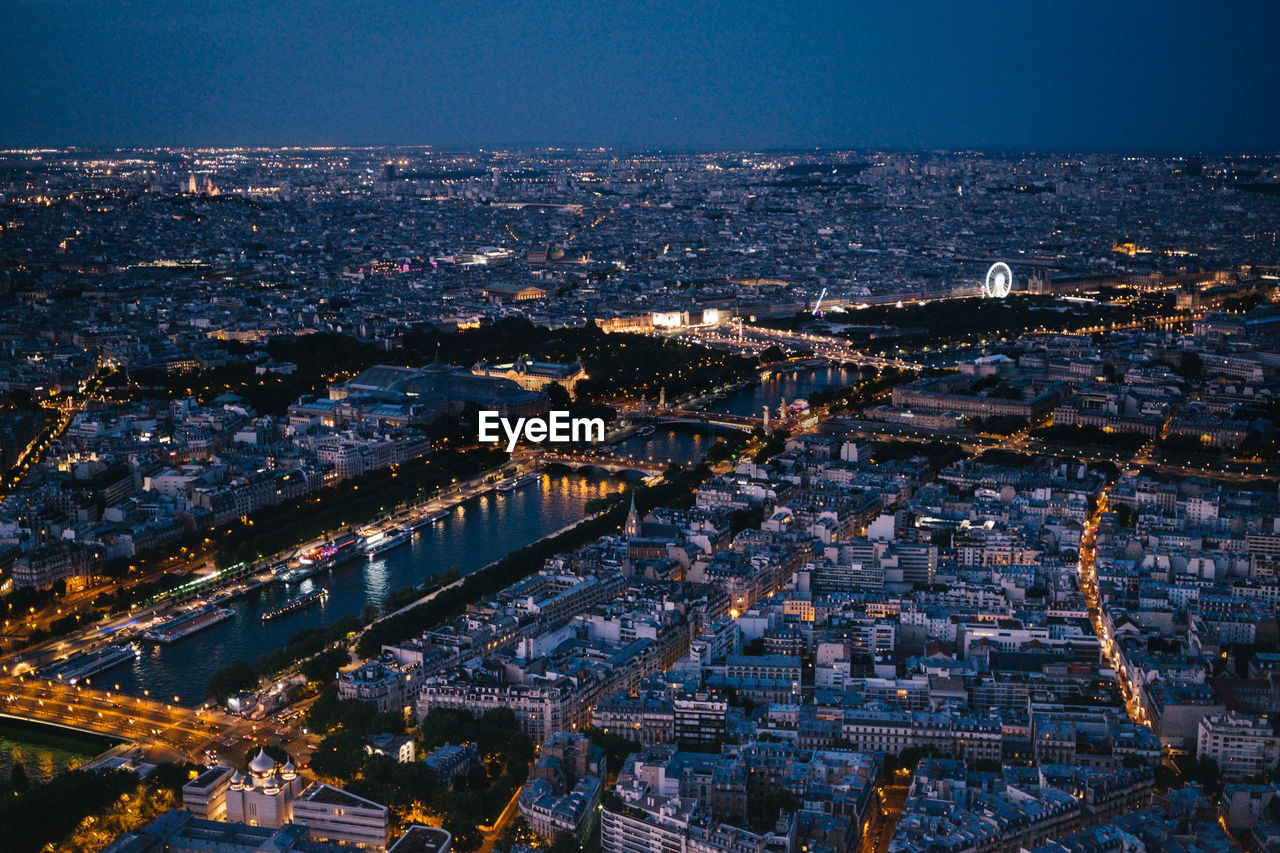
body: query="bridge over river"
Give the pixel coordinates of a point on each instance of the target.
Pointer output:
(140, 719)
(612, 461)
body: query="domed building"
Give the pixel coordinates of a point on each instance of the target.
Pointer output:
(272, 795)
(264, 796)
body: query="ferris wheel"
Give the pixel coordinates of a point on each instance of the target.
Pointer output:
(999, 281)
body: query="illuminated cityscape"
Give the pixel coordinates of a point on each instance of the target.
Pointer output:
(671, 494)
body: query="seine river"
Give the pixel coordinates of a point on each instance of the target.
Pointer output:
(474, 534)
(788, 387)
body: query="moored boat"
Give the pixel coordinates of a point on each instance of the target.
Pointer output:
(299, 603)
(385, 542)
(188, 623)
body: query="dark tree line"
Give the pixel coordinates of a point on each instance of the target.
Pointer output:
(41, 815)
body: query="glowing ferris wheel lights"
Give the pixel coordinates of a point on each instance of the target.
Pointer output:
(999, 281)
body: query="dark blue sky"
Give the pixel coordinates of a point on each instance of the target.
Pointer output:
(1118, 76)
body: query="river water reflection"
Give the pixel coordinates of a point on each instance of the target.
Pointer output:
(473, 535)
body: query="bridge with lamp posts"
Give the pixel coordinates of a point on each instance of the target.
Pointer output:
(606, 459)
(719, 420)
(153, 724)
(141, 719)
(644, 413)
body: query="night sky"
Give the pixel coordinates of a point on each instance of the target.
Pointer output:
(1167, 76)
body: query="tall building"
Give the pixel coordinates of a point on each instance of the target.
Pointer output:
(564, 786)
(700, 720)
(385, 687)
(1241, 744)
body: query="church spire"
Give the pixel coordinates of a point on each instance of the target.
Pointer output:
(632, 529)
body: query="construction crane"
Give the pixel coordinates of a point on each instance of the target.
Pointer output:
(817, 306)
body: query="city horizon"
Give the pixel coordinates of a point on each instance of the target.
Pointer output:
(798, 150)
